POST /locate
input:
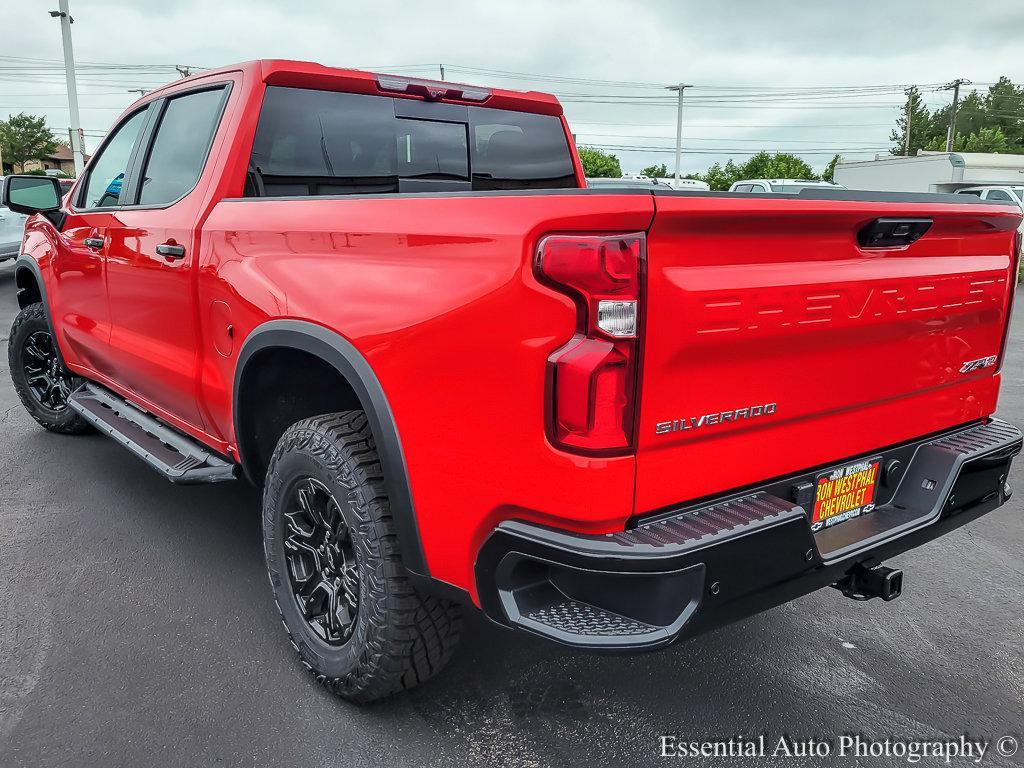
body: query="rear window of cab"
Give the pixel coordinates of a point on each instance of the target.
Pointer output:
(312, 142)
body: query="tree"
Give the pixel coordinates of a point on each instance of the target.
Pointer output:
(921, 130)
(830, 170)
(763, 165)
(1004, 107)
(598, 164)
(721, 178)
(655, 171)
(985, 140)
(781, 165)
(1001, 107)
(26, 137)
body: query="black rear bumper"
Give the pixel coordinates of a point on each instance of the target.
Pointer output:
(688, 570)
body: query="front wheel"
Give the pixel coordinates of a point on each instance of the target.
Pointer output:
(351, 613)
(42, 382)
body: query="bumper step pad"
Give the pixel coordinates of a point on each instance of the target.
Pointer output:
(574, 605)
(177, 457)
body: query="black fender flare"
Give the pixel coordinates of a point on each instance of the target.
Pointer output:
(338, 352)
(27, 262)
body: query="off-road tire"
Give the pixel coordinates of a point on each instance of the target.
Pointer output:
(399, 637)
(32, 320)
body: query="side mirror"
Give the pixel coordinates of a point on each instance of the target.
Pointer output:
(31, 194)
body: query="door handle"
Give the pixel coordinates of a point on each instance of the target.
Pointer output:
(93, 242)
(171, 250)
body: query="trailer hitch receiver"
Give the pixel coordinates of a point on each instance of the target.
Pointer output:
(863, 583)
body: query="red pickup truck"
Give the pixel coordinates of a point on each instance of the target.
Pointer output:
(612, 418)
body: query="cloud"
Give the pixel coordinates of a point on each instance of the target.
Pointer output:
(740, 43)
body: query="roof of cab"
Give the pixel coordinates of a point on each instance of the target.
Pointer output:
(307, 74)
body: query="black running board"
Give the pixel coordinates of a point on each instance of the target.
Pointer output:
(177, 457)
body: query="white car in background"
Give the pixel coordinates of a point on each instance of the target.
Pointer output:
(998, 193)
(780, 185)
(12, 228)
(648, 182)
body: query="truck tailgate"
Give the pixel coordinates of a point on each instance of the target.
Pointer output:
(775, 343)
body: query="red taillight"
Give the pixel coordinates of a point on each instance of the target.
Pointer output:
(593, 378)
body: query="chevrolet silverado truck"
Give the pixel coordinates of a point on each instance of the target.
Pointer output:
(609, 417)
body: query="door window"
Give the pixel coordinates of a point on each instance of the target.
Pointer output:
(182, 143)
(106, 175)
(998, 194)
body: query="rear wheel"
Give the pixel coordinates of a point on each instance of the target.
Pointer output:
(351, 612)
(42, 382)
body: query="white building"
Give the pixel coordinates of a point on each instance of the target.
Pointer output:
(931, 171)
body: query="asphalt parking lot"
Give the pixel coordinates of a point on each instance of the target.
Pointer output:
(137, 628)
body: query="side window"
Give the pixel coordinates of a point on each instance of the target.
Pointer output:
(182, 143)
(975, 192)
(106, 175)
(743, 188)
(998, 194)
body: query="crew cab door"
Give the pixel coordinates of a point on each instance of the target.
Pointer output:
(78, 292)
(151, 255)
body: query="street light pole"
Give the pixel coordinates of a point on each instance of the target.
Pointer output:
(679, 126)
(69, 72)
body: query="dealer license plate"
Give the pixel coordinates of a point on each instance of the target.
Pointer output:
(845, 493)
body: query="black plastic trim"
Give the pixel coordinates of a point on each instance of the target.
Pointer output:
(349, 362)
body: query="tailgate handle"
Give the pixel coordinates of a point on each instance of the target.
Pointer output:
(892, 233)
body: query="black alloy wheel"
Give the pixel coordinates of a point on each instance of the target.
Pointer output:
(47, 379)
(322, 570)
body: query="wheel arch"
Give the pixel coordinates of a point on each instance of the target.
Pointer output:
(28, 279)
(297, 337)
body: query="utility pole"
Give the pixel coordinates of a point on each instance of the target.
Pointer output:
(950, 133)
(66, 21)
(679, 126)
(141, 91)
(442, 70)
(910, 115)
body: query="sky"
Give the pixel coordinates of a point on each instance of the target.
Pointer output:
(815, 78)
